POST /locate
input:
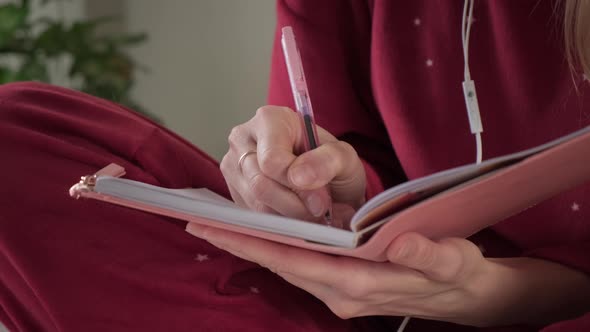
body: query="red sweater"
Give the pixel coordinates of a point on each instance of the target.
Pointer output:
(386, 77)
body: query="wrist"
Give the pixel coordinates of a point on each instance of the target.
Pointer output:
(529, 291)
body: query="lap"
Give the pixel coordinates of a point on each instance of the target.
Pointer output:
(84, 265)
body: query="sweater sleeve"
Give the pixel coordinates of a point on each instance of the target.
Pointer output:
(334, 40)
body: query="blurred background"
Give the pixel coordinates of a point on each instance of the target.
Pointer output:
(199, 67)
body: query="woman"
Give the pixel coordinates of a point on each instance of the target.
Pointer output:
(385, 80)
(87, 266)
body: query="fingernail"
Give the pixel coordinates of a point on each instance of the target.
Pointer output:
(302, 175)
(315, 205)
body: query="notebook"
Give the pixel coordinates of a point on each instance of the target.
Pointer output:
(453, 203)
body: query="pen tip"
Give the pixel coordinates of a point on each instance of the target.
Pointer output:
(328, 217)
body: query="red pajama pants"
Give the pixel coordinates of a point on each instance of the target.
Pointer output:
(83, 265)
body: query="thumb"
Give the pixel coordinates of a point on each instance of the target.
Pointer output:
(335, 163)
(448, 260)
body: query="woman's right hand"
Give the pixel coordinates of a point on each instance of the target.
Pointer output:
(278, 179)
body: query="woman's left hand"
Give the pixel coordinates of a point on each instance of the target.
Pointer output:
(445, 280)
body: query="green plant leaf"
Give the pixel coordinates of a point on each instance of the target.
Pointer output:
(88, 68)
(33, 69)
(99, 64)
(12, 17)
(51, 41)
(7, 75)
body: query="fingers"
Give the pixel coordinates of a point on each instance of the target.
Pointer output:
(276, 131)
(259, 180)
(334, 162)
(276, 179)
(446, 261)
(261, 193)
(271, 135)
(427, 279)
(356, 278)
(349, 286)
(278, 258)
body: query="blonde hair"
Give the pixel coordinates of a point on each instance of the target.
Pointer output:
(576, 28)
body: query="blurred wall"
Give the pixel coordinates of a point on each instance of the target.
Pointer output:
(208, 63)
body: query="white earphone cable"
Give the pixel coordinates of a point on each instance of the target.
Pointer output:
(465, 32)
(402, 326)
(470, 98)
(468, 84)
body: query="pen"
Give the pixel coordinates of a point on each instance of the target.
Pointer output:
(301, 96)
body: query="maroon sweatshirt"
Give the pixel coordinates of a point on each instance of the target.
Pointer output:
(387, 75)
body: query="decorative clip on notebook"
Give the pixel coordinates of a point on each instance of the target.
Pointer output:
(87, 182)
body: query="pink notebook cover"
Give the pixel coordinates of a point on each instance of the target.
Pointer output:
(454, 213)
